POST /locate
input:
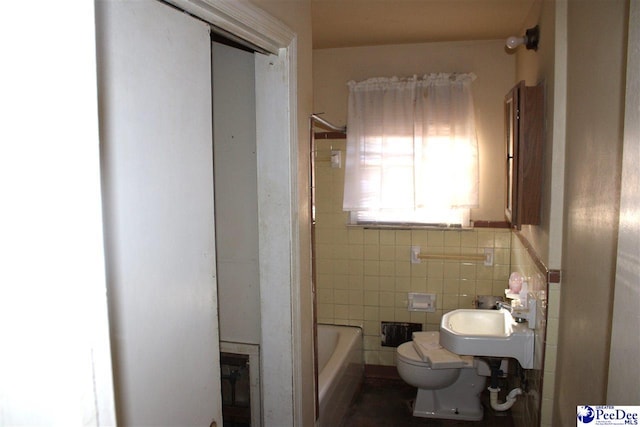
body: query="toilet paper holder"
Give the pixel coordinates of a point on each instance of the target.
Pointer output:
(418, 301)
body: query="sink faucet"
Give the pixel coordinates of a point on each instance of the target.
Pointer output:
(501, 304)
(518, 314)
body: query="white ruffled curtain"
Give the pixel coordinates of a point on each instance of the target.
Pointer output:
(411, 147)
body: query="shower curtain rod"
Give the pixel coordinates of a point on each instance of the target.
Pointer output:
(328, 125)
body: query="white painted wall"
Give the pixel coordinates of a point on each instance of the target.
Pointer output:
(236, 193)
(624, 373)
(594, 140)
(495, 69)
(55, 363)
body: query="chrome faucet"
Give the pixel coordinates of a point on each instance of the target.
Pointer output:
(519, 317)
(501, 304)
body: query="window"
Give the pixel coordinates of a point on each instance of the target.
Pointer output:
(412, 155)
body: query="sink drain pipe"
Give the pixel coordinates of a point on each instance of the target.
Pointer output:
(496, 372)
(508, 403)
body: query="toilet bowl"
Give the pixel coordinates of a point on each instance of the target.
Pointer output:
(449, 385)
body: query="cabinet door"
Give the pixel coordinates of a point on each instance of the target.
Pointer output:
(510, 134)
(524, 150)
(529, 154)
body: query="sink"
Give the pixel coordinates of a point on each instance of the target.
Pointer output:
(491, 333)
(480, 323)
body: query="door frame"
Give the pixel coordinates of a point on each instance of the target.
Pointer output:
(277, 169)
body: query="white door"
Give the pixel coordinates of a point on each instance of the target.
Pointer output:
(154, 74)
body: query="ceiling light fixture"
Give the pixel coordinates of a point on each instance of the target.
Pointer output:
(530, 39)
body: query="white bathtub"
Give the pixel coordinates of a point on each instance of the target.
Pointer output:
(340, 371)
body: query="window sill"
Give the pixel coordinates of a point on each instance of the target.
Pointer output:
(475, 224)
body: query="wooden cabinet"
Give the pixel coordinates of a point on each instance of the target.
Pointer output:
(524, 120)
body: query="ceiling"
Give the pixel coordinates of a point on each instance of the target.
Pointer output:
(344, 23)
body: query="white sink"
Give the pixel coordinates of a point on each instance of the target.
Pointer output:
(487, 333)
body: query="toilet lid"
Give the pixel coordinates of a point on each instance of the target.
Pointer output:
(427, 346)
(408, 354)
(436, 359)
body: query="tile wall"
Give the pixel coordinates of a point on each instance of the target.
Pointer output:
(536, 407)
(364, 275)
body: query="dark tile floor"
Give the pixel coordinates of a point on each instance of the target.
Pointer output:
(387, 403)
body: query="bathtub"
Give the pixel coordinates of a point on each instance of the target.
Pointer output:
(340, 371)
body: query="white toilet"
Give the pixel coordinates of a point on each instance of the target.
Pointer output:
(449, 385)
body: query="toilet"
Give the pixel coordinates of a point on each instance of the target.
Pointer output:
(449, 385)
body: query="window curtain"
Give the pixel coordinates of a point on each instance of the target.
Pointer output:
(411, 145)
